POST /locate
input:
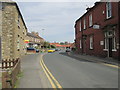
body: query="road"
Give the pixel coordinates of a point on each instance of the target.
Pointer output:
(73, 73)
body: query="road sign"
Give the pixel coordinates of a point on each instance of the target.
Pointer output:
(96, 26)
(26, 41)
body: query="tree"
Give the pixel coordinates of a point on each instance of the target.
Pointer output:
(61, 43)
(53, 46)
(46, 44)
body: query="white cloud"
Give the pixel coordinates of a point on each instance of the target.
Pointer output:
(56, 18)
(57, 0)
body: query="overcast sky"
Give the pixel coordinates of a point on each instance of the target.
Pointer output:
(53, 20)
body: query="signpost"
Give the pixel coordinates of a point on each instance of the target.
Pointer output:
(96, 26)
(26, 41)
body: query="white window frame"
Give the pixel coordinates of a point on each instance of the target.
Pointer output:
(106, 41)
(91, 42)
(80, 43)
(80, 26)
(108, 10)
(84, 23)
(90, 20)
(114, 40)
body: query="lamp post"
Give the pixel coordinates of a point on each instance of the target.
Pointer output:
(42, 36)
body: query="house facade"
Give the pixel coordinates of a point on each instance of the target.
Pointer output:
(13, 32)
(34, 40)
(97, 31)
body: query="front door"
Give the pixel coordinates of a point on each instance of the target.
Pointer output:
(110, 47)
(84, 46)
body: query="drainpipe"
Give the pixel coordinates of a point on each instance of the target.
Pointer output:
(82, 41)
(119, 27)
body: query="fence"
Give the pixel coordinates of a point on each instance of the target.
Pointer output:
(10, 70)
(9, 63)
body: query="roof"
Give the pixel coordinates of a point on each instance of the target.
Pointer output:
(88, 10)
(58, 45)
(33, 35)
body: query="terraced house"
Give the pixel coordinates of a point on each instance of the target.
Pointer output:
(97, 31)
(34, 40)
(13, 31)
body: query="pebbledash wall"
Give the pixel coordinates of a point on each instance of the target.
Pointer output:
(96, 32)
(13, 31)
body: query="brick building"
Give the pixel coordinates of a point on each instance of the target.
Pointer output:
(13, 31)
(97, 31)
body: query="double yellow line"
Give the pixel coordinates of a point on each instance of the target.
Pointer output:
(115, 66)
(55, 84)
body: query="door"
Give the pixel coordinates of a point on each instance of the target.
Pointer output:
(84, 46)
(110, 47)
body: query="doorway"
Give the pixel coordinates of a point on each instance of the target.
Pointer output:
(110, 47)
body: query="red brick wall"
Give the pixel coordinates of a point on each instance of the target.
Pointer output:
(98, 18)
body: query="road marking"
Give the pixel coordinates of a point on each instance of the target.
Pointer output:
(49, 74)
(51, 82)
(111, 65)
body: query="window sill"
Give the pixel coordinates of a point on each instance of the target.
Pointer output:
(91, 26)
(114, 50)
(90, 48)
(109, 18)
(105, 49)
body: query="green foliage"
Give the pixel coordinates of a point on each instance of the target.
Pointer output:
(53, 46)
(18, 77)
(46, 45)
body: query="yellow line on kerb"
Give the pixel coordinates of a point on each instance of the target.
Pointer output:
(112, 65)
(49, 73)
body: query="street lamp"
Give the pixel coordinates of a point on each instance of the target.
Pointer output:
(42, 36)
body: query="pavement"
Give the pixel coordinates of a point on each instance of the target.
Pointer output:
(33, 75)
(94, 58)
(80, 73)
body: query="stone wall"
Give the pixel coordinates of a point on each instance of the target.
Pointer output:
(13, 32)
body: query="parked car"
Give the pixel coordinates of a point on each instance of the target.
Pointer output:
(37, 51)
(51, 50)
(68, 50)
(56, 49)
(31, 49)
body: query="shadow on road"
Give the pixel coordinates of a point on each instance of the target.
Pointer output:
(76, 58)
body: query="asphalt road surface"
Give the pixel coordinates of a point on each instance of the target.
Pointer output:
(73, 73)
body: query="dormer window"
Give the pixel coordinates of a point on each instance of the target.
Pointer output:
(90, 20)
(80, 26)
(108, 10)
(84, 23)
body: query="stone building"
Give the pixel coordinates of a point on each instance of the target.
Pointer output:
(34, 40)
(13, 31)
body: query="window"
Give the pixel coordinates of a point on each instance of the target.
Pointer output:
(19, 21)
(2, 6)
(84, 22)
(91, 42)
(18, 44)
(90, 20)
(80, 44)
(80, 26)
(108, 9)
